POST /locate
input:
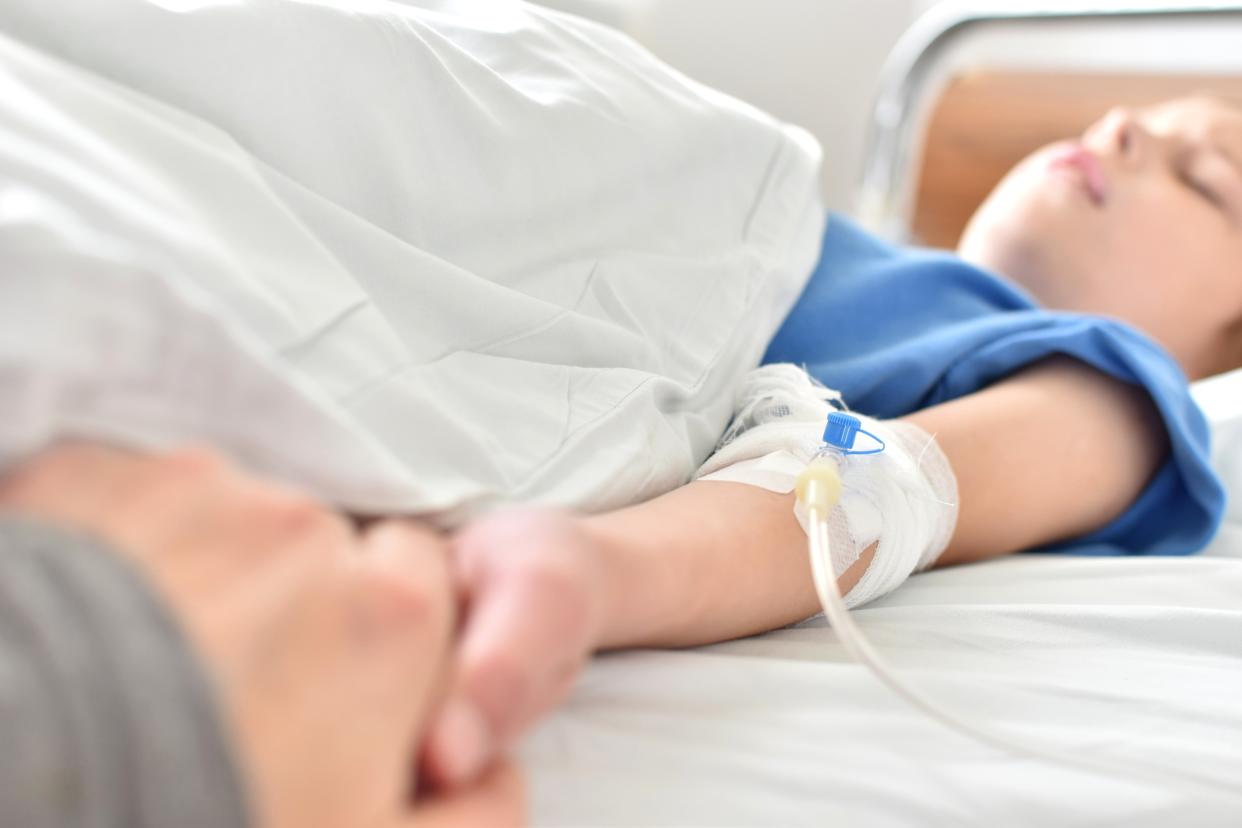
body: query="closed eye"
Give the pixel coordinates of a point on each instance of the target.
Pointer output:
(1213, 177)
(1204, 190)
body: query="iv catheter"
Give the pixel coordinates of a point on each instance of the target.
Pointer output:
(818, 488)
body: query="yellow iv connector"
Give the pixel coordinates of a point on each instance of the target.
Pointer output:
(819, 486)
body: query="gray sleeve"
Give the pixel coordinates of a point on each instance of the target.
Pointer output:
(106, 719)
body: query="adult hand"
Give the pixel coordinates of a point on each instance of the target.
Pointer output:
(531, 588)
(326, 646)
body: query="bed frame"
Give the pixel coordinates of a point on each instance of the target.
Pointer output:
(971, 90)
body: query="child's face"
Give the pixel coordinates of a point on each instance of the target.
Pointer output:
(1140, 219)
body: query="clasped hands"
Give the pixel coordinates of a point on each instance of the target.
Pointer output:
(354, 662)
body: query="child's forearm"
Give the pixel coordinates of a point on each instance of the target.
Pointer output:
(1051, 453)
(708, 562)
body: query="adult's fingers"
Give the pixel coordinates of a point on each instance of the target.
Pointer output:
(406, 610)
(383, 642)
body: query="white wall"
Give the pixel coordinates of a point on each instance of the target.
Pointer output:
(811, 62)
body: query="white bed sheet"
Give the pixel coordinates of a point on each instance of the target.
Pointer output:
(1221, 399)
(1136, 659)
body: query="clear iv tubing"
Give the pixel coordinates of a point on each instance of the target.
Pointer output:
(818, 489)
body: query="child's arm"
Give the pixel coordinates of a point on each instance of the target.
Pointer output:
(1052, 452)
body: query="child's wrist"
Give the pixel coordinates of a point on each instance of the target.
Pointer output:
(600, 546)
(621, 619)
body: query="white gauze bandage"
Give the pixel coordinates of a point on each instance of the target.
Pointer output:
(905, 497)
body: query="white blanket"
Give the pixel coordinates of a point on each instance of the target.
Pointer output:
(412, 256)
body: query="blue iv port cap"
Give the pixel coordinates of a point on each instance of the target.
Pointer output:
(841, 430)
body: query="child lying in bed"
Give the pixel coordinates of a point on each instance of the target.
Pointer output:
(1049, 359)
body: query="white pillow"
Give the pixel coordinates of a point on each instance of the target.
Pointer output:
(1221, 400)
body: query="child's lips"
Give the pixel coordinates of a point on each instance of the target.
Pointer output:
(1072, 155)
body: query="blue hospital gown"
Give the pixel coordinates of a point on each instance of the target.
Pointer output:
(899, 329)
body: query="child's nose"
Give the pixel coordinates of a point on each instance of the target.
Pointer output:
(1119, 134)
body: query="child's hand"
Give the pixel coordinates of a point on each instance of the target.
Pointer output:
(530, 590)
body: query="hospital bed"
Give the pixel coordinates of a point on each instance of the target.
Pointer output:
(1135, 660)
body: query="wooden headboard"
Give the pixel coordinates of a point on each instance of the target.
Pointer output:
(985, 123)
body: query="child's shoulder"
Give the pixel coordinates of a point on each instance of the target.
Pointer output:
(857, 263)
